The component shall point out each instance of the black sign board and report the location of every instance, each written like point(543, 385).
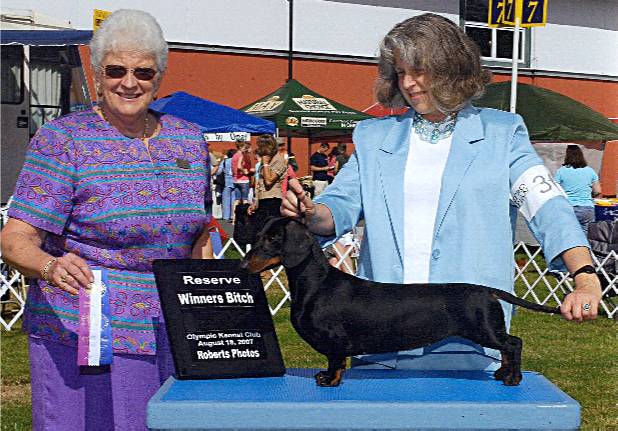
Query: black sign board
point(217, 319)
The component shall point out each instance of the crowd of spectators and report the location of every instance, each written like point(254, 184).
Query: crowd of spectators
point(238, 176)
point(255, 182)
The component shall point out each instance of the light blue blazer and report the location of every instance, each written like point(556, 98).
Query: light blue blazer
point(474, 229)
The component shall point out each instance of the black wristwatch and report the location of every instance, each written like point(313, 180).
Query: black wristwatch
point(588, 269)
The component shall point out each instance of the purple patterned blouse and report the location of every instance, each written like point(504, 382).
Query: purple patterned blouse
point(108, 199)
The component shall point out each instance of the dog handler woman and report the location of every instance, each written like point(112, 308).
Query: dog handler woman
point(439, 187)
point(113, 188)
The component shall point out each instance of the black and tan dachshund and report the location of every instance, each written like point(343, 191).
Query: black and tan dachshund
point(340, 315)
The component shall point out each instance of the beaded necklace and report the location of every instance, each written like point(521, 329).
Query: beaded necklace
point(433, 132)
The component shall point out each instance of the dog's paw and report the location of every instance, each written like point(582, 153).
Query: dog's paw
point(500, 373)
point(324, 378)
point(512, 379)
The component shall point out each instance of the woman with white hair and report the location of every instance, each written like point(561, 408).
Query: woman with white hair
point(112, 188)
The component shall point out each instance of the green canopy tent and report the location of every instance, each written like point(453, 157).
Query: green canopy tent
point(550, 116)
point(298, 111)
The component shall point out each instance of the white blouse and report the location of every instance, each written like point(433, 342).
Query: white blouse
point(422, 184)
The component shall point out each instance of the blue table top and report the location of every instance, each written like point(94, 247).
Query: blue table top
point(298, 386)
point(367, 399)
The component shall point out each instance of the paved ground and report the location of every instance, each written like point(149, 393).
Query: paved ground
point(227, 226)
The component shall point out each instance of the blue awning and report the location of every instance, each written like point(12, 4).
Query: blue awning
point(45, 37)
point(211, 117)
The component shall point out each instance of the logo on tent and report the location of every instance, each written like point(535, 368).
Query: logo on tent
point(313, 122)
point(268, 105)
point(310, 103)
point(291, 121)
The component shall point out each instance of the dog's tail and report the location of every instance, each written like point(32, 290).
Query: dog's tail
point(512, 299)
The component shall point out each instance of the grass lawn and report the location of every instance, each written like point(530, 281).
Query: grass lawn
point(579, 358)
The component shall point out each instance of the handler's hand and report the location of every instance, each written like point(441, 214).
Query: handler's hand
point(289, 205)
point(69, 273)
point(583, 303)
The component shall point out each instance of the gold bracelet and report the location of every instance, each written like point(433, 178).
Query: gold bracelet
point(47, 267)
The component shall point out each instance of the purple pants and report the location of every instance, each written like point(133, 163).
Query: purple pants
point(64, 399)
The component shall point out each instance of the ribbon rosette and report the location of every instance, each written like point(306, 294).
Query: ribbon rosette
point(94, 345)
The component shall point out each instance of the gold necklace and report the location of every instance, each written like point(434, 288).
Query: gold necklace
point(144, 136)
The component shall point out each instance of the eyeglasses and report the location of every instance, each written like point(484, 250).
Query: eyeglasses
point(115, 71)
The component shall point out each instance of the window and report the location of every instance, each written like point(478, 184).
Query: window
point(496, 44)
point(12, 74)
point(57, 83)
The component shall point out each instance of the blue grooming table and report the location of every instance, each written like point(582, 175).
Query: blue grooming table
point(366, 400)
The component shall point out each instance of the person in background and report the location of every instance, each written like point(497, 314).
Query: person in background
point(270, 173)
point(102, 188)
point(241, 172)
point(281, 148)
point(332, 163)
point(319, 168)
point(342, 157)
point(292, 162)
point(228, 191)
point(420, 182)
point(580, 183)
point(217, 185)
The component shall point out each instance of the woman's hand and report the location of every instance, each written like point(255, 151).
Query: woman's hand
point(295, 193)
point(252, 209)
point(69, 273)
point(317, 217)
point(583, 303)
point(22, 249)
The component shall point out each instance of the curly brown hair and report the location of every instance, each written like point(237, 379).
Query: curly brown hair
point(437, 46)
point(267, 145)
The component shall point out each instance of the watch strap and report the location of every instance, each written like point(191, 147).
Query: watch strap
point(588, 269)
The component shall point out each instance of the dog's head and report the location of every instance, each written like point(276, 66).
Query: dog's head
point(283, 241)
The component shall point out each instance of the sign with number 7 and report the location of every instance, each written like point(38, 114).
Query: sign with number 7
point(503, 13)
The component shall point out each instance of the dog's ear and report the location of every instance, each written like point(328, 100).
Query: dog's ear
point(297, 244)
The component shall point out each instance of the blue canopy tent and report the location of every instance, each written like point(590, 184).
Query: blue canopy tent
point(210, 116)
point(45, 37)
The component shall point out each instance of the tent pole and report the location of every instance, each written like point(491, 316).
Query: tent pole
point(290, 38)
point(309, 153)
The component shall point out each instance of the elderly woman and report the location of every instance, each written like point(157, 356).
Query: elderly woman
point(111, 188)
point(439, 186)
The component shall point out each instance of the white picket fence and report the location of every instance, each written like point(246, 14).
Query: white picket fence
point(540, 285)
